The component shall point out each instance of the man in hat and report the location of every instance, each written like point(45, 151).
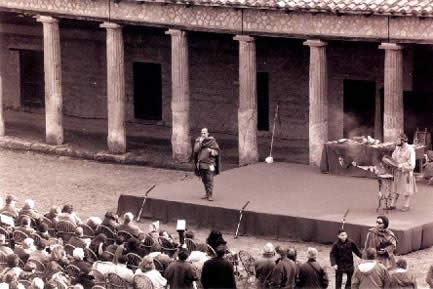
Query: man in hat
point(264, 266)
point(311, 273)
point(206, 157)
point(383, 241)
point(404, 180)
point(10, 207)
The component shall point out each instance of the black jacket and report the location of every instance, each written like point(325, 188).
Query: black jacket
point(341, 254)
point(218, 273)
point(312, 276)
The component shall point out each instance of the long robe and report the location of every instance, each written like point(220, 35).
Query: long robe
point(404, 180)
point(382, 239)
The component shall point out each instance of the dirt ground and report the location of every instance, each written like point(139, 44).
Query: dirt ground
point(93, 188)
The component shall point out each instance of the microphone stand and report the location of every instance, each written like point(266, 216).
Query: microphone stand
point(241, 212)
point(144, 202)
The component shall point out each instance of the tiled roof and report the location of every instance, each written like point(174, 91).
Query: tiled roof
point(421, 8)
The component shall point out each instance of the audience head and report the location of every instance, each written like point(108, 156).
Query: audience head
point(57, 253)
point(110, 216)
point(11, 200)
point(382, 222)
point(25, 221)
point(292, 254)
point(189, 234)
point(370, 253)
point(51, 285)
point(30, 267)
point(2, 239)
point(268, 250)
point(78, 286)
point(94, 222)
point(147, 264)
point(100, 238)
point(43, 228)
point(79, 231)
point(28, 243)
point(105, 256)
point(183, 254)
point(128, 217)
point(78, 254)
point(12, 260)
point(68, 209)
point(122, 259)
point(401, 263)
point(54, 211)
point(29, 204)
point(312, 253)
point(132, 244)
point(220, 250)
point(37, 283)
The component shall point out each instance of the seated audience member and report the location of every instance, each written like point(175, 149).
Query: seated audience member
point(93, 222)
point(41, 254)
point(180, 274)
point(162, 258)
point(24, 251)
point(264, 266)
point(400, 277)
point(147, 268)
point(370, 274)
point(128, 225)
point(25, 225)
point(218, 272)
point(122, 271)
point(429, 277)
point(28, 271)
point(29, 210)
point(57, 261)
point(132, 246)
point(197, 260)
point(14, 284)
point(111, 221)
point(69, 215)
point(10, 208)
point(37, 283)
point(78, 240)
point(311, 274)
point(104, 264)
point(215, 238)
point(43, 232)
point(53, 214)
point(4, 248)
point(13, 268)
point(85, 268)
point(98, 244)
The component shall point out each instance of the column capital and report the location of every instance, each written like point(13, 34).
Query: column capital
point(244, 38)
point(46, 19)
point(110, 25)
point(390, 46)
point(315, 43)
point(176, 32)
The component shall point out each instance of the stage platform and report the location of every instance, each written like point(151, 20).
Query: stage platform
point(287, 201)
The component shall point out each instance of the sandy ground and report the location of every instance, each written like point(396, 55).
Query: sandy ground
point(93, 188)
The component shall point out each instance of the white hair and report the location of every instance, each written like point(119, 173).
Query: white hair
point(37, 283)
point(128, 217)
point(312, 253)
point(78, 253)
point(28, 242)
point(29, 203)
point(94, 220)
point(78, 286)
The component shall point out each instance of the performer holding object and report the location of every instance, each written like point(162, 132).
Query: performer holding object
point(206, 156)
point(404, 180)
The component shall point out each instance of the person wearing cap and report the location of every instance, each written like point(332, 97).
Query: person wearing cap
point(207, 164)
point(311, 274)
point(284, 273)
point(218, 272)
point(264, 266)
point(341, 257)
point(10, 207)
point(27, 248)
point(383, 240)
point(404, 181)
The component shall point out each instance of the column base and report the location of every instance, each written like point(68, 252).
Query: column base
point(116, 145)
point(248, 151)
point(180, 139)
point(2, 128)
point(54, 138)
point(318, 136)
point(391, 134)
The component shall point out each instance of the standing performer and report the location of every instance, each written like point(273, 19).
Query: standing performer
point(206, 158)
point(404, 180)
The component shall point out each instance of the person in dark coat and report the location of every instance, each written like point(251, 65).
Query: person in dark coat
point(206, 157)
point(284, 274)
point(311, 274)
point(264, 266)
point(180, 274)
point(400, 278)
point(218, 273)
point(342, 258)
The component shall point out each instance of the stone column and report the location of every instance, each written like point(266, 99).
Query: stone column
point(116, 139)
point(393, 116)
point(53, 81)
point(2, 78)
point(247, 111)
point(318, 96)
point(180, 96)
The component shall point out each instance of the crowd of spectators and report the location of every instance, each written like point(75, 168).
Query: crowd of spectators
point(60, 250)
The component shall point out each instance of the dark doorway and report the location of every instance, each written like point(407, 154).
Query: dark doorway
point(262, 101)
point(147, 91)
point(359, 107)
point(32, 78)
